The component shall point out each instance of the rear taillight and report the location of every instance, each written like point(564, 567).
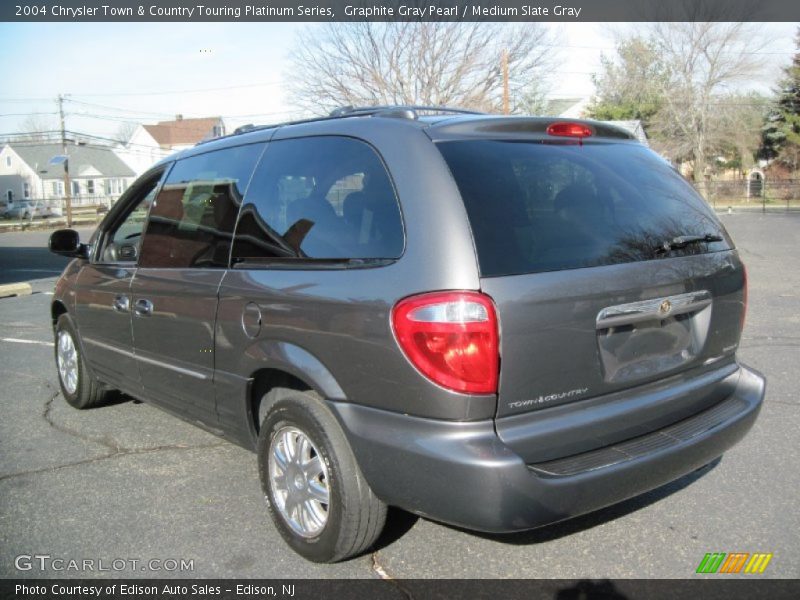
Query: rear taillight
point(451, 337)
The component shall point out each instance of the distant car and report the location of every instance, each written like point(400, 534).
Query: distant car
point(495, 322)
point(24, 209)
point(53, 211)
point(27, 209)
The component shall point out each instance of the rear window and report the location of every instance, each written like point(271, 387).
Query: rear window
point(537, 206)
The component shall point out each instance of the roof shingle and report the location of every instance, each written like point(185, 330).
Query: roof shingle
point(81, 158)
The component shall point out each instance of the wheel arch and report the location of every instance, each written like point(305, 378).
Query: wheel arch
point(270, 385)
point(57, 308)
point(289, 369)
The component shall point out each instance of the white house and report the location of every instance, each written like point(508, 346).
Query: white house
point(569, 108)
point(575, 108)
point(151, 143)
point(98, 175)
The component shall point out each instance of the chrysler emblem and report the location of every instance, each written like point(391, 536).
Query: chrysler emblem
point(665, 307)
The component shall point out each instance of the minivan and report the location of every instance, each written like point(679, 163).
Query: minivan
point(494, 322)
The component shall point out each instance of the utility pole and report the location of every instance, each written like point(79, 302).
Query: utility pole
point(67, 184)
point(505, 81)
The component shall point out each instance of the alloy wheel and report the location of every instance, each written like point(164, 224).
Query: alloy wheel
point(67, 362)
point(299, 482)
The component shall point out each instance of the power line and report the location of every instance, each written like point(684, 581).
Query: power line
point(134, 119)
point(28, 114)
point(29, 133)
point(269, 114)
point(156, 93)
point(117, 119)
point(80, 139)
point(47, 131)
point(172, 92)
point(106, 139)
point(138, 120)
point(120, 109)
point(13, 100)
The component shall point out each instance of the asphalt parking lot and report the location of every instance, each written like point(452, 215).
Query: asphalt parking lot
point(127, 481)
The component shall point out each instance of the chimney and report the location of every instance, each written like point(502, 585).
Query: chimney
point(179, 117)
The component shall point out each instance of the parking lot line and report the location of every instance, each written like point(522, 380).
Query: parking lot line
point(18, 341)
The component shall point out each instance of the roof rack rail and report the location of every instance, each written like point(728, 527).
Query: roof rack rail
point(244, 129)
point(405, 111)
point(399, 111)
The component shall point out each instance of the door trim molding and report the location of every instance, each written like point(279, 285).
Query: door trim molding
point(157, 363)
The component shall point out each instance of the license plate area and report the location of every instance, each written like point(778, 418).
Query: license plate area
point(640, 340)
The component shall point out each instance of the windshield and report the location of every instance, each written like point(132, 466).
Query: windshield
point(537, 206)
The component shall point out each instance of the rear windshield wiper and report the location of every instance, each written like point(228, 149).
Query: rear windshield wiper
point(682, 241)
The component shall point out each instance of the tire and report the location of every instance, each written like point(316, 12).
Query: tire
point(353, 517)
point(78, 387)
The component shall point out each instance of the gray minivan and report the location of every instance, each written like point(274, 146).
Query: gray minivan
point(495, 322)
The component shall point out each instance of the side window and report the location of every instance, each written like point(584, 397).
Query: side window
point(123, 241)
point(192, 221)
point(319, 198)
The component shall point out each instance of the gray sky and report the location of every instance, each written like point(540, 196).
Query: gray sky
point(146, 72)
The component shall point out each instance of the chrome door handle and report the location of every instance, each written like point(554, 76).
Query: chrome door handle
point(121, 304)
point(143, 307)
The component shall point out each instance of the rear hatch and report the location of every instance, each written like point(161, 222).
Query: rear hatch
point(609, 273)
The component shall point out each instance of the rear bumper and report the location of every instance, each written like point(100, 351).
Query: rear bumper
point(462, 473)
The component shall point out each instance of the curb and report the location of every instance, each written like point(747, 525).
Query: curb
point(781, 210)
point(15, 289)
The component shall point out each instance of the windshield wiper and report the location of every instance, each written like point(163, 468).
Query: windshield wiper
point(682, 241)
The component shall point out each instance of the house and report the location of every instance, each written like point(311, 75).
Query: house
point(151, 143)
point(634, 127)
point(569, 108)
point(13, 187)
point(575, 108)
point(97, 174)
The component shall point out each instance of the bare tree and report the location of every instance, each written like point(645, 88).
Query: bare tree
point(125, 132)
point(532, 100)
point(431, 63)
point(741, 119)
point(705, 59)
point(36, 128)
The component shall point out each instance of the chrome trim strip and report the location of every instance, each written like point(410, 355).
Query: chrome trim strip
point(157, 363)
point(655, 309)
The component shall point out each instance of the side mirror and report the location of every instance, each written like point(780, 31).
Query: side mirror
point(67, 242)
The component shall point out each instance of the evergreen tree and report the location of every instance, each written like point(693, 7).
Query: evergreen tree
point(631, 85)
point(781, 134)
